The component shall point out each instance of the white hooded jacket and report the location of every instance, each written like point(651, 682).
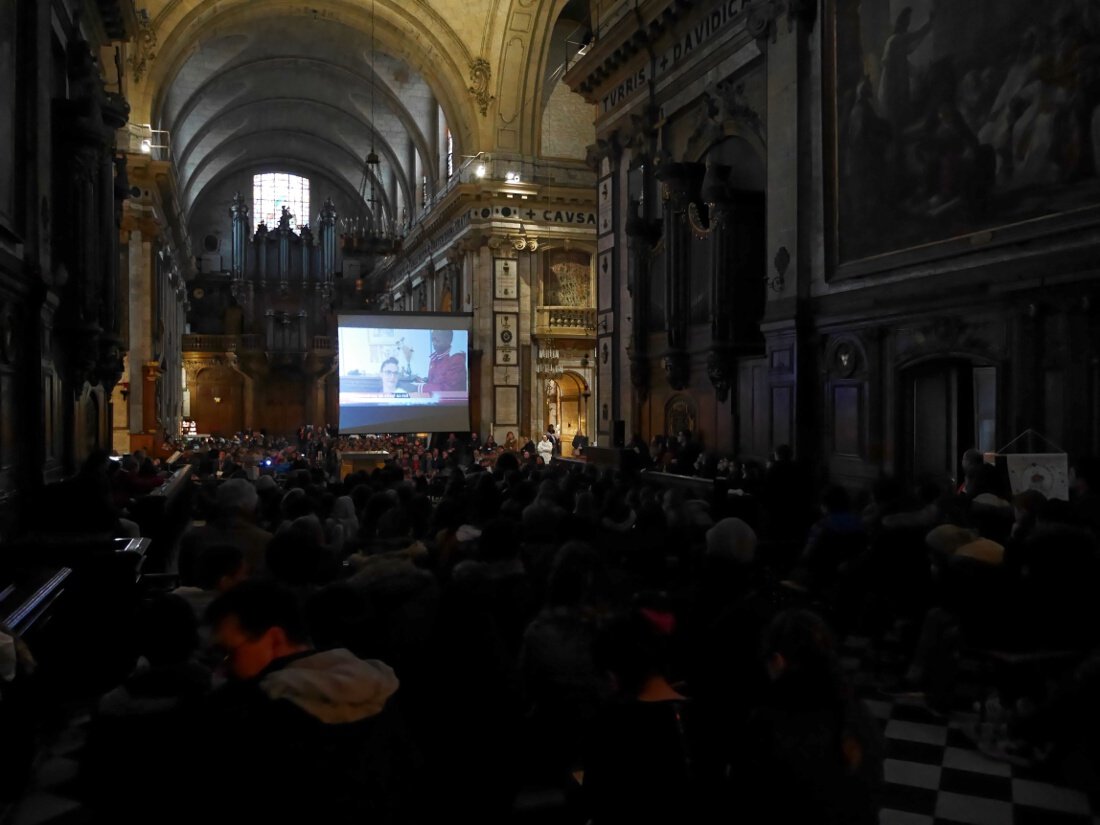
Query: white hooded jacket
point(333, 686)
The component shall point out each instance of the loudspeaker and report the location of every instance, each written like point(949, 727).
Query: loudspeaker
point(618, 433)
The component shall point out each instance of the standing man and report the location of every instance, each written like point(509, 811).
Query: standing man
point(554, 440)
point(580, 442)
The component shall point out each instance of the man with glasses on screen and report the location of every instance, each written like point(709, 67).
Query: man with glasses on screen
point(446, 370)
point(391, 369)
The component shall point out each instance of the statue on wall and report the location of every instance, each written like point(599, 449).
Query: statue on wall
point(719, 371)
point(677, 368)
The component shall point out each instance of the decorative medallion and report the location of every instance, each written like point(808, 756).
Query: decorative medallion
point(845, 359)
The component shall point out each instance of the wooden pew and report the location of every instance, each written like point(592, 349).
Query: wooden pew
point(26, 600)
point(86, 646)
point(162, 516)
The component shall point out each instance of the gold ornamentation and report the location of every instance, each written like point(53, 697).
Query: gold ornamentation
point(696, 222)
point(145, 47)
point(480, 75)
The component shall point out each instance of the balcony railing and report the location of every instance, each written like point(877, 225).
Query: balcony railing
point(239, 343)
point(566, 321)
point(211, 343)
point(503, 169)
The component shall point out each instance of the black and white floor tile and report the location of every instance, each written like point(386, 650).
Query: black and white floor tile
point(935, 775)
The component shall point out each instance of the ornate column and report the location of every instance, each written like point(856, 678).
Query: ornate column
point(282, 235)
point(305, 236)
point(640, 234)
point(716, 195)
point(327, 231)
point(238, 239)
point(681, 182)
point(259, 241)
point(303, 331)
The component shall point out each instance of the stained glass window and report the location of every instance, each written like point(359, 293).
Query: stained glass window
point(274, 190)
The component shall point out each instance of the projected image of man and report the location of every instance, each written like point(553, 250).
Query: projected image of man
point(446, 369)
point(391, 369)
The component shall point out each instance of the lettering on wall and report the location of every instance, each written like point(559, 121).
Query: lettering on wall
point(579, 217)
point(623, 90)
point(717, 21)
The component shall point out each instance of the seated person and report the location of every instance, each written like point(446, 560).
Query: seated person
point(315, 727)
point(651, 754)
point(137, 740)
point(218, 568)
point(811, 753)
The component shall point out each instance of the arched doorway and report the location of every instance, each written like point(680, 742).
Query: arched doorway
point(565, 405)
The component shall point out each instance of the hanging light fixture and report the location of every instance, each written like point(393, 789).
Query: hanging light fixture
point(548, 365)
point(369, 234)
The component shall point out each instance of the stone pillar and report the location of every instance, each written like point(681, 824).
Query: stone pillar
point(790, 235)
point(150, 373)
point(141, 323)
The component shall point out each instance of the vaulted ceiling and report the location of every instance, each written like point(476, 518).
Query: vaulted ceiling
point(243, 85)
point(303, 92)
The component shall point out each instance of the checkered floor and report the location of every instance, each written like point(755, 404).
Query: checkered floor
point(935, 774)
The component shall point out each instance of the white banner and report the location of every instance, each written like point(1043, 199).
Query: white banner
point(1046, 472)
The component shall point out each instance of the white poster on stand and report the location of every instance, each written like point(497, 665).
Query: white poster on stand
point(1046, 472)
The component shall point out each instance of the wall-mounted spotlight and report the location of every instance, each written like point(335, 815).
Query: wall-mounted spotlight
point(480, 170)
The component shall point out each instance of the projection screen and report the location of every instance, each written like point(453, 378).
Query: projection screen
point(404, 372)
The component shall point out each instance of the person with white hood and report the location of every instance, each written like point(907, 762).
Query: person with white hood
point(299, 735)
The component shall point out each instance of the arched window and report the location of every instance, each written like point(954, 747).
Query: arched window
point(450, 154)
point(274, 190)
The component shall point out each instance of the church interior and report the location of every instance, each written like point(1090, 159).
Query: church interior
point(779, 499)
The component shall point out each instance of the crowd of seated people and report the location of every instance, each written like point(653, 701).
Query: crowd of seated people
point(253, 454)
point(408, 648)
